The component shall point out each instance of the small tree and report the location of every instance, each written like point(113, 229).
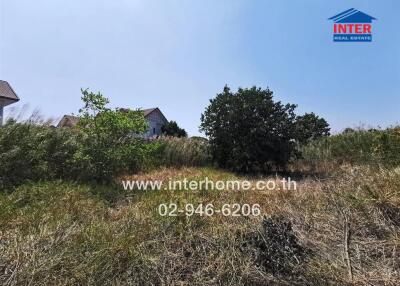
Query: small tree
point(248, 130)
point(172, 129)
point(311, 127)
point(110, 144)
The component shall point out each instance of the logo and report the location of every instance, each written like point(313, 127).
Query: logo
point(352, 26)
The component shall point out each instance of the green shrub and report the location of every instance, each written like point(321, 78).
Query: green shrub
point(31, 152)
point(110, 141)
point(387, 146)
point(104, 145)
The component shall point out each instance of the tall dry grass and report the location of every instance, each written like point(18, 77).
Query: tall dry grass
point(183, 152)
point(342, 230)
point(358, 147)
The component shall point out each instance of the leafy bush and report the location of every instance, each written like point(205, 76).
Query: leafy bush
point(110, 138)
point(104, 145)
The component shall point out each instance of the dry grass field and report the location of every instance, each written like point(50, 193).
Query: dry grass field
point(340, 229)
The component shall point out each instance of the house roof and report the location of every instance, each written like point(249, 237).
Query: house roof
point(148, 111)
point(7, 94)
point(68, 121)
point(352, 16)
point(151, 110)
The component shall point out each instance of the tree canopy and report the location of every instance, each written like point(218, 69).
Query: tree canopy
point(172, 129)
point(310, 127)
point(109, 142)
point(250, 132)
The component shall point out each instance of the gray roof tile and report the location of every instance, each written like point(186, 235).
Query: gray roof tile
point(7, 92)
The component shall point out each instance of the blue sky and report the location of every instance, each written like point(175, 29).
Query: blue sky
point(178, 54)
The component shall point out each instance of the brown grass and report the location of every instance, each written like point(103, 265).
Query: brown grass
point(61, 234)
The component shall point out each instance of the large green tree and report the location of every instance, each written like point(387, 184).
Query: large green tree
point(248, 130)
point(310, 127)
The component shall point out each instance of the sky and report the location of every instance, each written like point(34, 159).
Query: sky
point(176, 55)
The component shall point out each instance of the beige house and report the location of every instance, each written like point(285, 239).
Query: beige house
point(7, 97)
point(155, 118)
